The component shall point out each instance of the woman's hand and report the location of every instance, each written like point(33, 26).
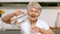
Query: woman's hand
point(19, 12)
point(35, 29)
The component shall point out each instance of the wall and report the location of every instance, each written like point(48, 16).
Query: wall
point(49, 14)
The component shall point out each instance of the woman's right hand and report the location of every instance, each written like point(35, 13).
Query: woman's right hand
point(19, 12)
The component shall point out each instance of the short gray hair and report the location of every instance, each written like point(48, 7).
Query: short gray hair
point(34, 5)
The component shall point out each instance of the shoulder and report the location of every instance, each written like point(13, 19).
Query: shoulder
point(40, 21)
point(42, 24)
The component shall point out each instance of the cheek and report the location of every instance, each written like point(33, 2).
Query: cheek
point(37, 14)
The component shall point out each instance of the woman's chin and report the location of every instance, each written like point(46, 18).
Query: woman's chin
point(32, 19)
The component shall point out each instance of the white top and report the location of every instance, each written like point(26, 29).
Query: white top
point(25, 26)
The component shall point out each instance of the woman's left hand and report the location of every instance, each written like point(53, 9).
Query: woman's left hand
point(36, 29)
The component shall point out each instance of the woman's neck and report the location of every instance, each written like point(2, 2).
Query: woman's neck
point(33, 22)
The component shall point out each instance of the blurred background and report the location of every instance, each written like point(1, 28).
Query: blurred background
point(50, 13)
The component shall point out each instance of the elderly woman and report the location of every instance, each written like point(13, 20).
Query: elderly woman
point(32, 24)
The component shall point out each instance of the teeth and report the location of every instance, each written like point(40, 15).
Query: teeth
point(33, 16)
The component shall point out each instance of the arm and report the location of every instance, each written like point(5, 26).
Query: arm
point(7, 18)
point(49, 31)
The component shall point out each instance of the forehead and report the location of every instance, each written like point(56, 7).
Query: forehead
point(33, 9)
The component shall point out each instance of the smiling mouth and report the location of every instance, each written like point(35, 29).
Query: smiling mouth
point(33, 16)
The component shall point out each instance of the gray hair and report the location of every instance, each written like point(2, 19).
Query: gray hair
point(34, 5)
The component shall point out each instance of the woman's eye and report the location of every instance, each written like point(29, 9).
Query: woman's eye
point(36, 11)
point(31, 10)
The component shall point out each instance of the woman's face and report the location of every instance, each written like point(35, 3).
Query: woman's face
point(33, 14)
